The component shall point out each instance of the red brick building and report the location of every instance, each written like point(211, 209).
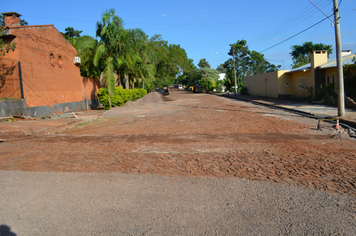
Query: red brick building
point(51, 81)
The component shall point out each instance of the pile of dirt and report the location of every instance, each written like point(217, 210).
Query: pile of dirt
point(153, 97)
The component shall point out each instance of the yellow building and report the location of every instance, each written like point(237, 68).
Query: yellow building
point(300, 82)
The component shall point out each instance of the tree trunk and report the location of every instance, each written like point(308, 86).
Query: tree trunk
point(118, 81)
point(126, 81)
point(133, 82)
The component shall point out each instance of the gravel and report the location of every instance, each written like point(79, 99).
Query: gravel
point(35, 203)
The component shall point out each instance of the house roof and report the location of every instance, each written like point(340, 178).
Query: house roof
point(347, 59)
point(301, 68)
point(332, 62)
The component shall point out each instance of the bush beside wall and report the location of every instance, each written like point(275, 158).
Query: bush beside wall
point(121, 96)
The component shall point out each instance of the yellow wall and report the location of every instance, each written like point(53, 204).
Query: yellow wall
point(330, 72)
point(318, 58)
point(284, 78)
point(263, 84)
point(309, 75)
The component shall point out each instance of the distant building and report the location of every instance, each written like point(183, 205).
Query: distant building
point(320, 72)
point(51, 81)
point(222, 76)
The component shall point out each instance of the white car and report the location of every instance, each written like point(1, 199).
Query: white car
point(180, 86)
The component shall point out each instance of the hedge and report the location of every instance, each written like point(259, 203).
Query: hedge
point(121, 96)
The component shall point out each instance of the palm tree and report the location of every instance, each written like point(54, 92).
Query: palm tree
point(107, 51)
point(86, 46)
point(143, 68)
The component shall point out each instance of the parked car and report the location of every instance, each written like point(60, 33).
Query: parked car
point(164, 91)
point(180, 87)
point(198, 88)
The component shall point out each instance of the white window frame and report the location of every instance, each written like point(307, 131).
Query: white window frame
point(301, 81)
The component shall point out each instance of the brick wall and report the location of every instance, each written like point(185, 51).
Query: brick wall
point(9, 79)
point(49, 74)
point(90, 87)
point(50, 78)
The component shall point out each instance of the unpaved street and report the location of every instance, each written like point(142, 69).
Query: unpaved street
point(282, 162)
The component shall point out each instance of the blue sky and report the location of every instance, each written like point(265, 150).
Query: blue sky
point(203, 28)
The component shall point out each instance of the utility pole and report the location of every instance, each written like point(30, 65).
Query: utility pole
point(233, 56)
point(340, 72)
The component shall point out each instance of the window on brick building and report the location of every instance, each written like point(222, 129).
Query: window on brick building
point(51, 57)
point(60, 63)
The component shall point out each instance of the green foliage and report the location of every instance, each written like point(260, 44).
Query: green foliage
point(135, 59)
point(207, 84)
point(72, 35)
point(350, 79)
point(120, 97)
point(70, 32)
point(211, 74)
point(218, 85)
point(6, 47)
point(244, 91)
point(248, 62)
point(169, 61)
point(105, 54)
point(199, 74)
point(86, 47)
point(203, 63)
point(301, 53)
point(221, 68)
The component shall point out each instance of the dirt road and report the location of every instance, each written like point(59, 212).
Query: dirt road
point(195, 135)
point(200, 164)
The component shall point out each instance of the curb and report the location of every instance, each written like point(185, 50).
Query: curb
point(350, 123)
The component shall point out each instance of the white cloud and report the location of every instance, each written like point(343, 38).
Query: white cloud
point(163, 15)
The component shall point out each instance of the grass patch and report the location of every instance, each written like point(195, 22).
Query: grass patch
point(87, 122)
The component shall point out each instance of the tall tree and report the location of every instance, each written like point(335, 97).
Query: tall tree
point(203, 63)
point(72, 35)
point(135, 63)
point(221, 68)
point(70, 32)
point(170, 60)
point(107, 51)
point(249, 62)
point(86, 47)
point(301, 53)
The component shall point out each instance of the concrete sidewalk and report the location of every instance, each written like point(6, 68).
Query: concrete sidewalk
point(318, 110)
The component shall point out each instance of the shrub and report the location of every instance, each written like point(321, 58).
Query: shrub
point(103, 97)
point(244, 91)
point(121, 96)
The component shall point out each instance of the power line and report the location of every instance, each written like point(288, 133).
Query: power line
point(144, 23)
point(297, 33)
point(59, 19)
point(297, 18)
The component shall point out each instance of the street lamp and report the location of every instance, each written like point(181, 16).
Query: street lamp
point(222, 55)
